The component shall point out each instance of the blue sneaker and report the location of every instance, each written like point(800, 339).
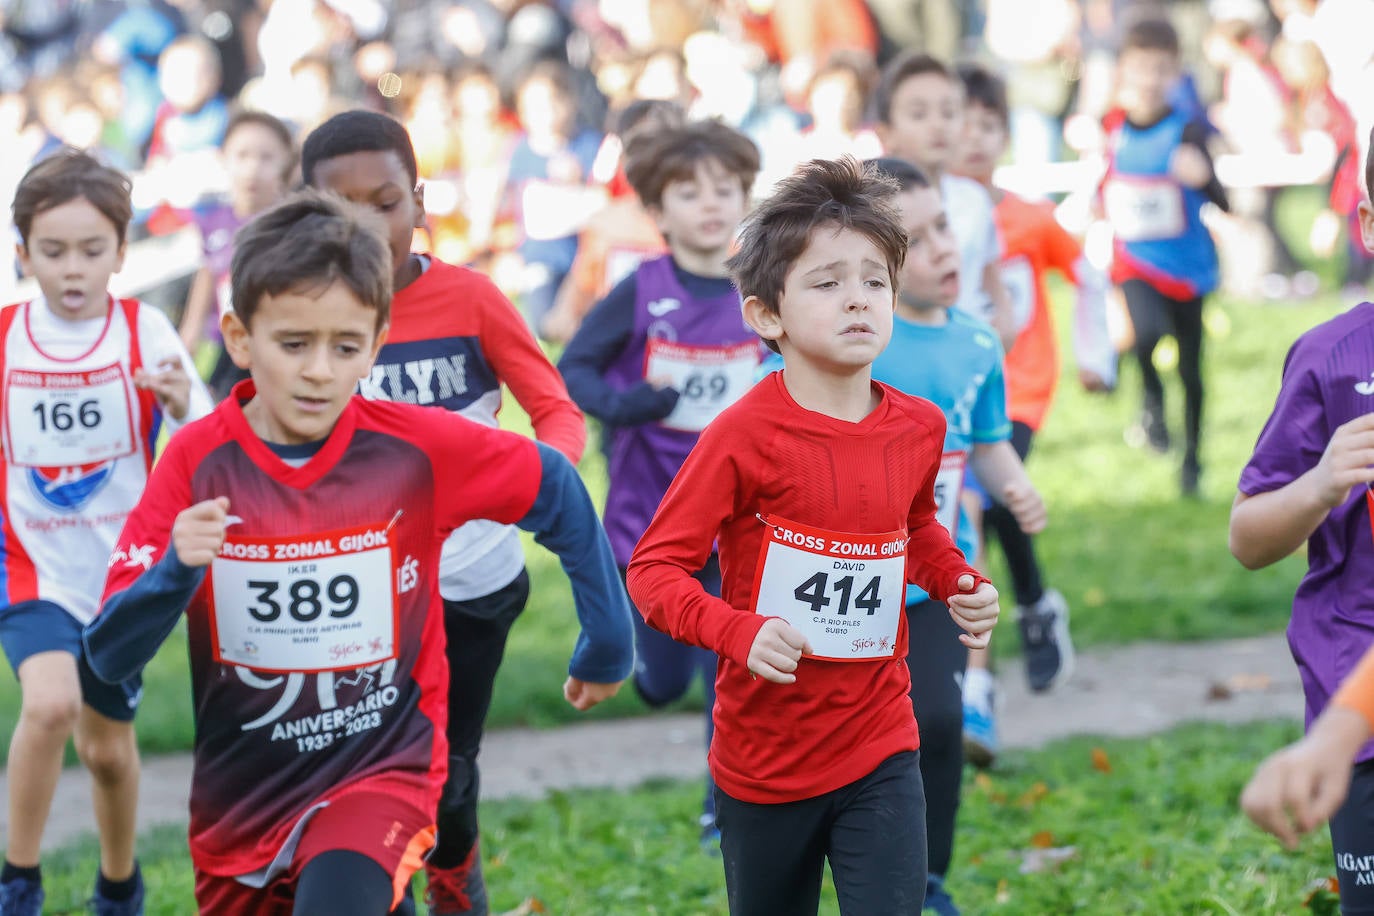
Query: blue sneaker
point(104, 906)
point(21, 898)
point(980, 733)
point(710, 835)
point(937, 900)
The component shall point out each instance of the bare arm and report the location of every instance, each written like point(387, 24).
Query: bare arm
point(1267, 527)
point(1000, 471)
point(198, 303)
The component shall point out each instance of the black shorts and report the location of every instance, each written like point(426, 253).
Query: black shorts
point(30, 627)
point(1352, 842)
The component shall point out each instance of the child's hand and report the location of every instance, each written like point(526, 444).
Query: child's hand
point(1299, 787)
point(776, 650)
point(1347, 461)
point(975, 611)
point(169, 384)
point(1093, 382)
point(198, 532)
point(1188, 166)
point(1025, 505)
point(583, 695)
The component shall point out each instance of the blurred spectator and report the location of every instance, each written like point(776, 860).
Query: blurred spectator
point(800, 35)
point(837, 103)
point(37, 39)
point(133, 41)
point(1037, 40)
point(193, 115)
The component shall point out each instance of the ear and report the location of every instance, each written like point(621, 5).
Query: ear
point(1367, 224)
point(765, 322)
point(235, 339)
point(419, 197)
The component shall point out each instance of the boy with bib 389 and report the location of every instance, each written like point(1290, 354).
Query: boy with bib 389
point(819, 488)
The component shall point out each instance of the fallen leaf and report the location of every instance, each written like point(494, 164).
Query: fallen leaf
point(530, 906)
point(1043, 840)
point(1033, 795)
point(1003, 892)
point(1101, 762)
point(1047, 859)
point(983, 782)
point(498, 860)
point(1218, 691)
point(975, 860)
point(1249, 682)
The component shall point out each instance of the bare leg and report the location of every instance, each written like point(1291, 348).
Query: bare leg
point(109, 752)
point(50, 705)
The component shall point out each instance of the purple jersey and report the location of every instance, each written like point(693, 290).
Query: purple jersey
point(711, 357)
point(218, 224)
point(1328, 380)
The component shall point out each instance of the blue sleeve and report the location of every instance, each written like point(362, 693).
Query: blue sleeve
point(133, 624)
point(564, 520)
point(599, 341)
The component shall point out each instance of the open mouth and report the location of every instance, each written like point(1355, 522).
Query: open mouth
point(73, 299)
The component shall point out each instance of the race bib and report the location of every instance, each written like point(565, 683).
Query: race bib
point(63, 419)
point(1019, 280)
point(846, 592)
point(320, 602)
point(949, 487)
point(709, 379)
point(1141, 209)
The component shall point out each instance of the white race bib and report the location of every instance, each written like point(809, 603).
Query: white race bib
point(1018, 277)
point(1141, 209)
point(846, 592)
point(318, 602)
point(65, 419)
point(949, 488)
point(709, 379)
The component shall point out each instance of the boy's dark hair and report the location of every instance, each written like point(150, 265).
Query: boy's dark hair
point(822, 192)
point(645, 111)
point(655, 158)
point(1151, 34)
point(66, 175)
point(986, 89)
point(358, 131)
point(901, 68)
point(271, 124)
point(307, 242)
point(904, 173)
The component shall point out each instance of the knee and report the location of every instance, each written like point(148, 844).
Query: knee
point(108, 757)
point(51, 714)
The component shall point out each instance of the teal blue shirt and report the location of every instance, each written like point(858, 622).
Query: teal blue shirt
point(958, 367)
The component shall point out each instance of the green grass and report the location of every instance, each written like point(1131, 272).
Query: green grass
point(1159, 833)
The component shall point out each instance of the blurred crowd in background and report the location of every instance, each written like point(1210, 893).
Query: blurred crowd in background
point(513, 105)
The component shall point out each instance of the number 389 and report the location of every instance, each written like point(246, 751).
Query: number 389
point(303, 598)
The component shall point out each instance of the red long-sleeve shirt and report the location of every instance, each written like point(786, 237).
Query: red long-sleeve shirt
point(768, 456)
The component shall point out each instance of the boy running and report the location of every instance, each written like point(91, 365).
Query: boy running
point(952, 359)
point(662, 355)
point(88, 382)
point(819, 488)
point(454, 340)
point(317, 645)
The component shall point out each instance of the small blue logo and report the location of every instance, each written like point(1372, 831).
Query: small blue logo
point(68, 489)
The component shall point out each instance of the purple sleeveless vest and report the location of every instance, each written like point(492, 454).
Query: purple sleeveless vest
point(644, 459)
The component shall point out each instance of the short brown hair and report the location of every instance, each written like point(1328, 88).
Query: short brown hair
point(309, 241)
point(1151, 34)
point(66, 175)
point(901, 68)
point(655, 158)
point(273, 125)
point(822, 192)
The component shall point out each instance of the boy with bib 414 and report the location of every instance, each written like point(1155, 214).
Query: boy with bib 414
point(88, 382)
point(662, 355)
point(819, 488)
point(299, 529)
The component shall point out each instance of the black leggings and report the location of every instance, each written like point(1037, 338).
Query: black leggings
point(1017, 546)
point(1352, 842)
point(476, 631)
point(1154, 315)
point(870, 830)
point(345, 883)
point(937, 660)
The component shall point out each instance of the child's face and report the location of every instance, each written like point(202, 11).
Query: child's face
point(701, 213)
point(835, 313)
point(187, 78)
point(257, 164)
point(835, 101)
point(544, 109)
point(982, 145)
point(925, 121)
point(477, 99)
point(72, 251)
point(377, 179)
point(930, 275)
point(1144, 78)
point(306, 352)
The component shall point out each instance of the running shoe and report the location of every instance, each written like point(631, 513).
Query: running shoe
point(457, 891)
point(937, 898)
point(1190, 476)
point(1045, 641)
point(980, 731)
point(710, 835)
point(21, 898)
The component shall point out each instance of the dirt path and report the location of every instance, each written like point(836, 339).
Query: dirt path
point(1136, 690)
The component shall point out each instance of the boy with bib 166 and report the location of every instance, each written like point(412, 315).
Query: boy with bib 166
point(819, 488)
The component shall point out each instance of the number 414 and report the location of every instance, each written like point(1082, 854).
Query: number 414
point(812, 592)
